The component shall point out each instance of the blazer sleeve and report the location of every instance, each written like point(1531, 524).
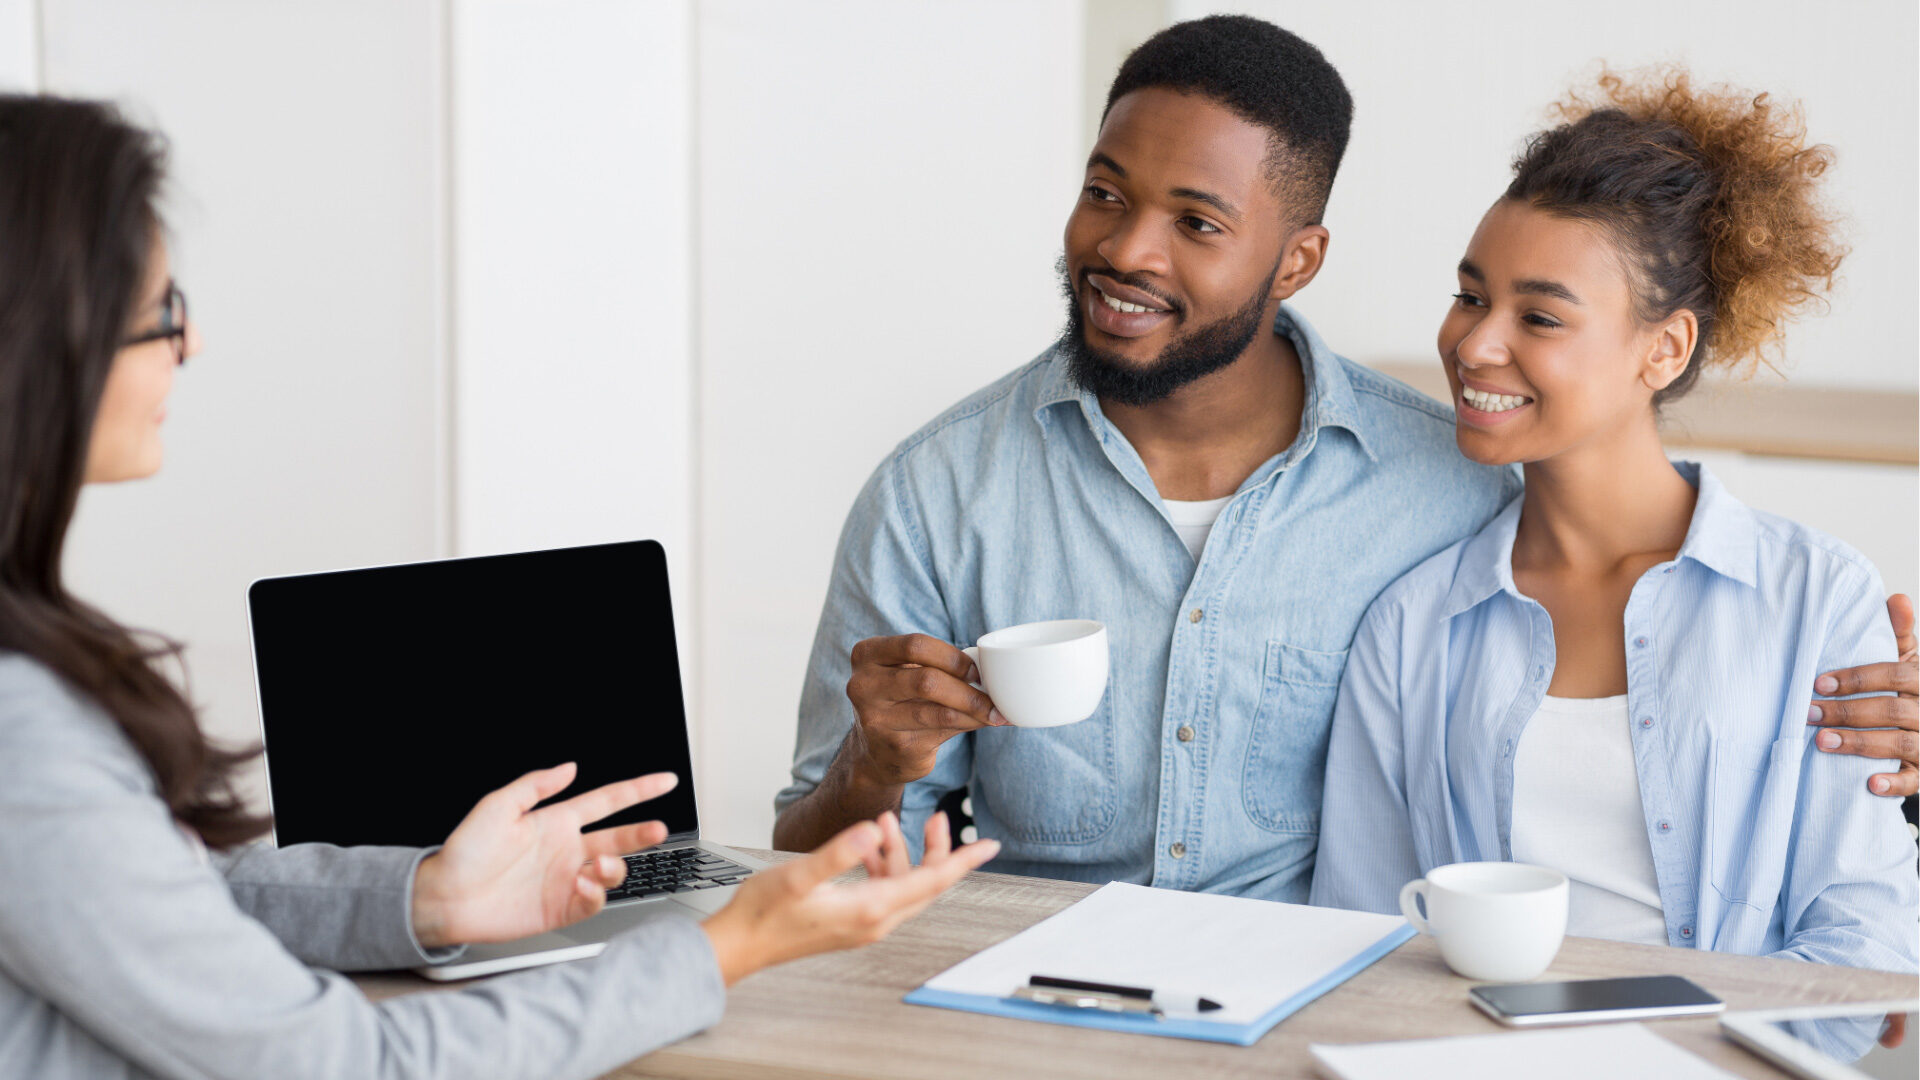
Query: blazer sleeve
point(345, 908)
point(1367, 847)
point(110, 917)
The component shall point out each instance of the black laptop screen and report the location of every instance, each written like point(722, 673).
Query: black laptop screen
point(393, 698)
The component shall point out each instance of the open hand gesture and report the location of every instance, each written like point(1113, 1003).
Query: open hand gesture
point(509, 870)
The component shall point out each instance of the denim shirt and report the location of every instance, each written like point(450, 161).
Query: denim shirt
point(1760, 845)
point(1201, 768)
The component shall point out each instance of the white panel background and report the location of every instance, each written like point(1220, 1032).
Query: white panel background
point(1444, 93)
point(883, 189)
point(572, 285)
point(478, 275)
point(572, 174)
point(19, 45)
point(307, 219)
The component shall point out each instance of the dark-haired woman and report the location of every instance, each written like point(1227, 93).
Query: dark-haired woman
point(1613, 677)
point(125, 949)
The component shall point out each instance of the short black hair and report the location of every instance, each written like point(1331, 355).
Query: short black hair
point(1266, 76)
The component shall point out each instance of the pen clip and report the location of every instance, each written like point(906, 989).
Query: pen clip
point(1081, 994)
point(1088, 999)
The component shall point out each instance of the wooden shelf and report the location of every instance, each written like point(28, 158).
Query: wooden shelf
point(1761, 417)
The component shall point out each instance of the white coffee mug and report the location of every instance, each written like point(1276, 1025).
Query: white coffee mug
point(1044, 674)
point(1498, 921)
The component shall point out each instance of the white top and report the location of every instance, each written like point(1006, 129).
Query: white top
point(1576, 808)
point(1194, 520)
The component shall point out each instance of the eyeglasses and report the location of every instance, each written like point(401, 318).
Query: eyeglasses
point(173, 324)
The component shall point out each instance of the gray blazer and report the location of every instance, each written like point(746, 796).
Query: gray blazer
point(124, 954)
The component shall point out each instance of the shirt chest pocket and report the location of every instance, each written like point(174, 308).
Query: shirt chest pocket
point(1049, 785)
point(1750, 817)
point(1286, 755)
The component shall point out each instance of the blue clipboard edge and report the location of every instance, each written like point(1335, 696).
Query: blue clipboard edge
point(1204, 1030)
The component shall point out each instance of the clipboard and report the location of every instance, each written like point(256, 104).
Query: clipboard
point(1264, 960)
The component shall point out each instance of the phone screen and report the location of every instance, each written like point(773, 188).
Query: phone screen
point(1594, 995)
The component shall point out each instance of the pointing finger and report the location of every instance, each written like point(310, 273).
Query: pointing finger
point(589, 896)
point(625, 839)
point(922, 885)
point(895, 845)
point(528, 791)
point(613, 798)
point(938, 839)
point(609, 869)
point(833, 858)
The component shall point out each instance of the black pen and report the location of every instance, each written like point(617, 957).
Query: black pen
point(1164, 1000)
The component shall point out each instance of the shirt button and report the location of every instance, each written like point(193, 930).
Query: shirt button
point(1178, 850)
point(1639, 643)
point(1646, 721)
point(1540, 672)
point(1185, 734)
point(1666, 826)
point(1686, 931)
point(1668, 570)
point(1197, 615)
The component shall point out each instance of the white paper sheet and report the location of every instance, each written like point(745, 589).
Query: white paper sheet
point(1600, 1052)
point(1248, 955)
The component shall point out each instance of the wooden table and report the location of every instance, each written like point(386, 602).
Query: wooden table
point(840, 1015)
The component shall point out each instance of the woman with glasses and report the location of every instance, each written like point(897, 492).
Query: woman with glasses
point(126, 947)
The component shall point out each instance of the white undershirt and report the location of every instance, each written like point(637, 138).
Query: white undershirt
point(1194, 520)
point(1576, 808)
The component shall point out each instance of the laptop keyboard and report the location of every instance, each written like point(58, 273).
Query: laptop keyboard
point(652, 873)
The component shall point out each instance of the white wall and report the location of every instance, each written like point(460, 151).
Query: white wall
point(1444, 93)
point(19, 45)
point(572, 298)
point(883, 189)
point(306, 156)
point(1443, 96)
point(478, 275)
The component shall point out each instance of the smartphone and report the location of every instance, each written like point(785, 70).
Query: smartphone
point(1593, 1001)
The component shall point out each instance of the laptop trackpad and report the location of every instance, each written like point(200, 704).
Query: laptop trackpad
point(627, 916)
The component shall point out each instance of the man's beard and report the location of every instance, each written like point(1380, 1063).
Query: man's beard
point(1194, 355)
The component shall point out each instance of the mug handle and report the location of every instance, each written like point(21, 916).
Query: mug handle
point(973, 654)
point(1416, 887)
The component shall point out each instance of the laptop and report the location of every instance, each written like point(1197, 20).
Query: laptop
point(392, 698)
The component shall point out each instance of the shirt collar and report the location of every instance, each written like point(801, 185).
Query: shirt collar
point(1486, 563)
point(1722, 535)
point(1330, 396)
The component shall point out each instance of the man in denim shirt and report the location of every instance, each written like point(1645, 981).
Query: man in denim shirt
point(1081, 486)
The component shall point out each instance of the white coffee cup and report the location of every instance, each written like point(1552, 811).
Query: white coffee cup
point(1044, 674)
point(1499, 921)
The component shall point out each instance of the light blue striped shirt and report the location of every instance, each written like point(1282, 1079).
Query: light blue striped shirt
point(1201, 768)
point(1761, 845)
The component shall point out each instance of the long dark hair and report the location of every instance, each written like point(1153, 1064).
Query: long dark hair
point(78, 225)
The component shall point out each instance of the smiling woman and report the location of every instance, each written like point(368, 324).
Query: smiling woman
point(1614, 677)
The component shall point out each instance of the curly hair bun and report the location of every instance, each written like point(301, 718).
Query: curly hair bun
point(1713, 193)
